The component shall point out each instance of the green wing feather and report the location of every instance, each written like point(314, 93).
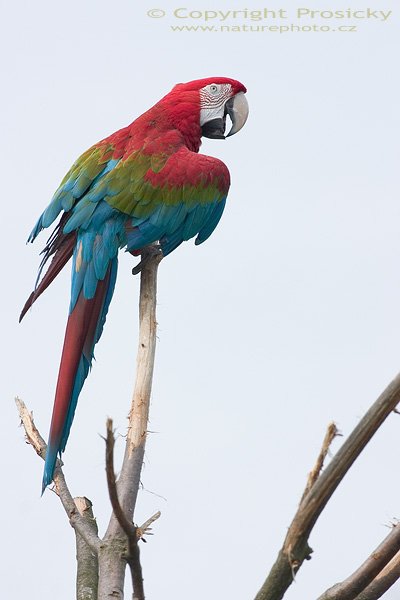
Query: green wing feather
point(166, 197)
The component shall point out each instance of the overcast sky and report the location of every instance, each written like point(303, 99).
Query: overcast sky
point(287, 318)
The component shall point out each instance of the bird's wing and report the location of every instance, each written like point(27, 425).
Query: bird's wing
point(90, 167)
point(167, 198)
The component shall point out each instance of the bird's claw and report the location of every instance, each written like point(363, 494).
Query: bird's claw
point(148, 254)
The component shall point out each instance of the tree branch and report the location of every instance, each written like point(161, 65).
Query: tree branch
point(129, 479)
point(113, 551)
point(133, 558)
point(295, 548)
point(382, 582)
point(87, 575)
point(76, 520)
point(350, 588)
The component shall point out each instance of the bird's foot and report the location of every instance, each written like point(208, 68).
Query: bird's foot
point(149, 253)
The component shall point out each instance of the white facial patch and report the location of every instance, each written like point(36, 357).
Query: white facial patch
point(212, 101)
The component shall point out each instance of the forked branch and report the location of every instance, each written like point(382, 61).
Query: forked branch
point(295, 548)
point(123, 493)
point(369, 572)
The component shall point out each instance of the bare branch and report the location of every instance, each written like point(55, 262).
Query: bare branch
point(32, 434)
point(126, 525)
point(129, 479)
point(37, 442)
point(113, 550)
point(350, 588)
point(87, 575)
point(133, 557)
point(295, 548)
point(382, 582)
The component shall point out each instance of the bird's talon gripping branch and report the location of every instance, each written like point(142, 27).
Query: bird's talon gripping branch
point(150, 253)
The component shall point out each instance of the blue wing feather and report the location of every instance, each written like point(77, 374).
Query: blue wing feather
point(211, 222)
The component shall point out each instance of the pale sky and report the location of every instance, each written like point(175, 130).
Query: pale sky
point(288, 317)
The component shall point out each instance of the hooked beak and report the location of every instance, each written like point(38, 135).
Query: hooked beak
point(238, 110)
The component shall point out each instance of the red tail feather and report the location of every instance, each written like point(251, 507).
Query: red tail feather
point(62, 255)
point(79, 341)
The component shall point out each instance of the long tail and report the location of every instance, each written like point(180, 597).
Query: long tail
point(84, 328)
point(94, 271)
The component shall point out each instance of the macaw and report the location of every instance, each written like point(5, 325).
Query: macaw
point(142, 185)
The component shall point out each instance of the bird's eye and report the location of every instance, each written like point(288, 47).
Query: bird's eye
point(213, 88)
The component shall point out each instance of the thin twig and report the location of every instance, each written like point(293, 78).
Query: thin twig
point(330, 435)
point(295, 548)
point(126, 525)
point(32, 434)
point(39, 445)
point(145, 529)
point(352, 586)
point(133, 557)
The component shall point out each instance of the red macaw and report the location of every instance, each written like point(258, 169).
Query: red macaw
point(146, 183)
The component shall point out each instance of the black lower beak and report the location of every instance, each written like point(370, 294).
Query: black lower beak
point(214, 129)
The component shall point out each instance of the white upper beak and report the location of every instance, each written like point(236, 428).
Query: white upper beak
point(238, 110)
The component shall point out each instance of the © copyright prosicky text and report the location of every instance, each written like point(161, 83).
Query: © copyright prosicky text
point(270, 14)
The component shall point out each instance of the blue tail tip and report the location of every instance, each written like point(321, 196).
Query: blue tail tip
point(47, 480)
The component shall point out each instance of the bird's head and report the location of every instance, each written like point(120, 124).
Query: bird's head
point(200, 108)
